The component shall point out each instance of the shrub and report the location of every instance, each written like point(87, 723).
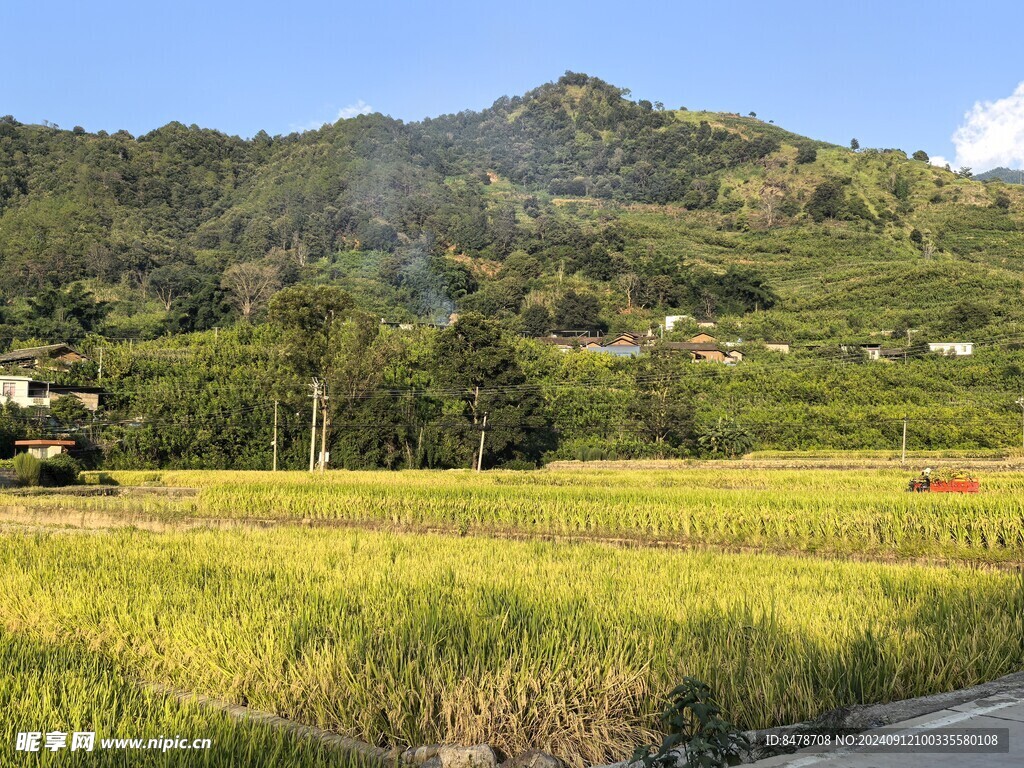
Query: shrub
point(61, 470)
point(27, 468)
point(805, 155)
point(695, 727)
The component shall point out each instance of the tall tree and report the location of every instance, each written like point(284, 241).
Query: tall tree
point(475, 360)
point(251, 285)
point(307, 315)
point(172, 281)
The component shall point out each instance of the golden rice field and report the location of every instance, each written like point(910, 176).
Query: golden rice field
point(417, 638)
point(866, 512)
point(381, 619)
point(50, 688)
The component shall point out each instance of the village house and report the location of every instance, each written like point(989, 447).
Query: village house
point(781, 347)
point(699, 351)
point(31, 393)
point(406, 326)
point(952, 348)
point(50, 356)
point(703, 338)
point(570, 340)
point(24, 391)
point(44, 449)
point(704, 348)
point(623, 345)
point(887, 354)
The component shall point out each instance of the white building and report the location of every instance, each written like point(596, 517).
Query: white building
point(24, 391)
point(44, 449)
point(952, 348)
point(30, 393)
point(672, 320)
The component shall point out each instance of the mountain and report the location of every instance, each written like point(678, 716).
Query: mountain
point(568, 205)
point(1008, 175)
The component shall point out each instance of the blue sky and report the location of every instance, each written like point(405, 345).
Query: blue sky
point(892, 74)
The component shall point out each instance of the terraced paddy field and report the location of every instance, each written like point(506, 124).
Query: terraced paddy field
point(862, 513)
point(413, 636)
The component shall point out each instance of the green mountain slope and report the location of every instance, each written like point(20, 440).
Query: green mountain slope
point(1009, 175)
point(569, 205)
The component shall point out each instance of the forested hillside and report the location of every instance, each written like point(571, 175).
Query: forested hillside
point(1008, 175)
point(572, 187)
point(568, 207)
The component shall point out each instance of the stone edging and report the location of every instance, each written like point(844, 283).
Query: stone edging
point(238, 712)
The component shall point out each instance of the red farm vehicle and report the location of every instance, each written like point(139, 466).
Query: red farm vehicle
point(944, 482)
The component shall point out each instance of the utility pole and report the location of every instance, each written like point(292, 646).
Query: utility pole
point(1020, 402)
point(323, 428)
point(480, 456)
point(274, 469)
point(903, 459)
point(312, 438)
point(907, 349)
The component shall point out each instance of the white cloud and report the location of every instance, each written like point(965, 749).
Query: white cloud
point(359, 108)
point(992, 134)
point(352, 110)
point(939, 161)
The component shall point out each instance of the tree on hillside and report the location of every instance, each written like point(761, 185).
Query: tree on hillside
point(535, 320)
point(307, 315)
point(965, 172)
point(921, 155)
point(743, 290)
point(854, 145)
point(773, 195)
point(708, 304)
point(69, 412)
point(251, 284)
point(204, 306)
point(170, 282)
point(631, 284)
point(299, 250)
point(806, 154)
point(64, 315)
point(828, 201)
point(967, 316)
point(356, 365)
point(473, 357)
point(578, 311)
